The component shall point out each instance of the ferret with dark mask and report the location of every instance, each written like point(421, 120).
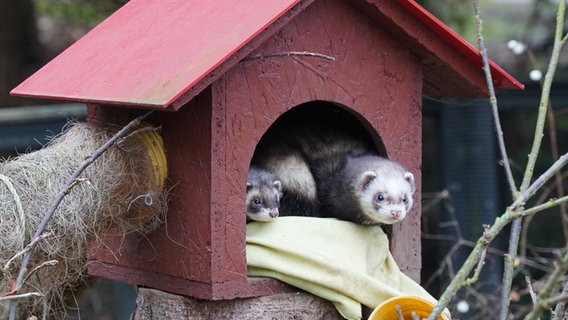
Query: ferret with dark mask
point(263, 195)
point(368, 189)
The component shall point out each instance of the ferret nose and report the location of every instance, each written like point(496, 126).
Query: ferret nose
point(395, 213)
point(273, 213)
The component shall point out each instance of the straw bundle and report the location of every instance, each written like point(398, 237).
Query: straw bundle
point(119, 190)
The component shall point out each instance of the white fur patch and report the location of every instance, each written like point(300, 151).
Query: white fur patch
point(393, 188)
point(262, 215)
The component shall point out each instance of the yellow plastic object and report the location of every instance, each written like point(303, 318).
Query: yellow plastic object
point(155, 148)
point(408, 305)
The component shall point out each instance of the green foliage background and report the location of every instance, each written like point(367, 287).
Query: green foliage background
point(85, 12)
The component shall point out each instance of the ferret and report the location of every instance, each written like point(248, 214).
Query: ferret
point(367, 189)
point(263, 195)
point(329, 167)
point(291, 157)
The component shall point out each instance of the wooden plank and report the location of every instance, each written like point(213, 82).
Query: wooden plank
point(252, 287)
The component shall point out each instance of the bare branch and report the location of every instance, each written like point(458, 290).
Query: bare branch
point(546, 87)
point(288, 54)
point(561, 306)
point(477, 271)
point(547, 291)
point(440, 196)
point(22, 296)
point(508, 273)
point(541, 180)
point(516, 227)
point(493, 100)
point(534, 297)
point(44, 264)
point(549, 204)
point(26, 249)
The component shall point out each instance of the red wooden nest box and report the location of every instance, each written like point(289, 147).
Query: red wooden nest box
point(197, 62)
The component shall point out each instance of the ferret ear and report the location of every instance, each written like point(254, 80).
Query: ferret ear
point(366, 178)
point(249, 186)
point(410, 178)
point(278, 185)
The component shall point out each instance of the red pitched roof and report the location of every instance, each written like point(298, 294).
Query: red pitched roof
point(153, 53)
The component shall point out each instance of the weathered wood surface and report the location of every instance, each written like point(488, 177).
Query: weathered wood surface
point(156, 305)
point(374, 77)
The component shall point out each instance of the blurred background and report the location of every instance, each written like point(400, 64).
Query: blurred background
point(463, 183)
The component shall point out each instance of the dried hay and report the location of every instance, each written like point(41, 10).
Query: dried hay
point(118, 190)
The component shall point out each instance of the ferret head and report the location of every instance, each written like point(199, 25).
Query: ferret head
point(387, 198)
point(263, 200)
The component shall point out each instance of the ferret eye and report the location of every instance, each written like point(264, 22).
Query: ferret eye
point(404, 199)
point(257, 201)
point(380, 197)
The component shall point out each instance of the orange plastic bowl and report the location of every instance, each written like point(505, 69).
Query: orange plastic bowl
point(408, 304)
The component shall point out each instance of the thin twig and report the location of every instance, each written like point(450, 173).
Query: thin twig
point(516, 229)
point(544, 195)
point(493, 100)
point(459, 242)
point(72, 185)
point(22, 296)
point(440, 196)
point(552, 133)
point(62, 193)
point(508, 272)
point(534, 297)
point(548, 303)
point(540, 181)
point(546, 298)
point(288, 54)
point(477, 271)
point(138, 131)
point(525, 189)
point(544, 98)
point(26, 249)
point(561, 306)
point(516, 226)
point(549, 204)
point(44, 264)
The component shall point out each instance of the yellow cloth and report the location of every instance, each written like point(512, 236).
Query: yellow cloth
point(345, 263)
